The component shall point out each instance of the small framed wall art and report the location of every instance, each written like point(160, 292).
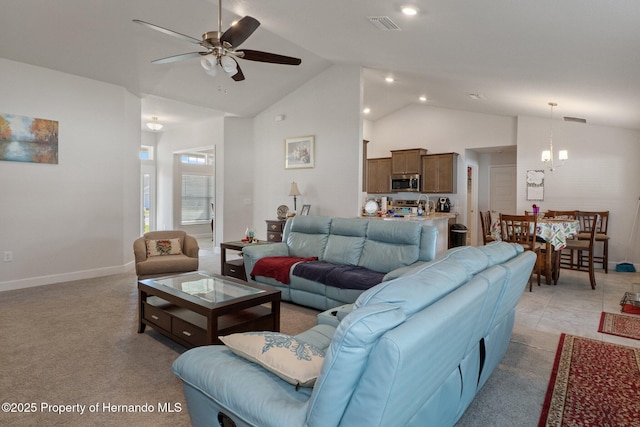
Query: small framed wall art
point(299, 152)
point(305, 209)
point(535, 185)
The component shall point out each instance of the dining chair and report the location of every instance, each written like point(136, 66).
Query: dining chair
point(522, 229)
point(570, 214)
point(581, 250)
point(562, 214)
point(601, 237)
point(485, 220)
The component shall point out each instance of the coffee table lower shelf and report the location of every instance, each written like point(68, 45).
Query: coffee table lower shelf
point(190, 329)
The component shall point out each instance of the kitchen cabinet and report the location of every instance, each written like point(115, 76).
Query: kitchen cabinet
point(407, 161)
point(439, 173)
point(379, 175)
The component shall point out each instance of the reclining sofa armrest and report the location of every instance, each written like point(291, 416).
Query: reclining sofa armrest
point(252, 254)
point(190, 247)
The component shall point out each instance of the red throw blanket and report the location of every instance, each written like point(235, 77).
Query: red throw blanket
point(277, 267)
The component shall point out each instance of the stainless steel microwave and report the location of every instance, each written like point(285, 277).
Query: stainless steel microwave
point(400, 183)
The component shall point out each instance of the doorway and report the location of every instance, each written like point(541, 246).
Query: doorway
point(502, 189)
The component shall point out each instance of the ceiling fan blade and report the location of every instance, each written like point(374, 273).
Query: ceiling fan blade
point(238, 33)
point(168, 32)
point(239, 76)
point(180, 57)
point(256, 55)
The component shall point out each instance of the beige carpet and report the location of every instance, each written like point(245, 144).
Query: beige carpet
point(74, 347)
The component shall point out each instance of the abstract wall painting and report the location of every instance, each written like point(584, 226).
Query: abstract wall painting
point(27, 139)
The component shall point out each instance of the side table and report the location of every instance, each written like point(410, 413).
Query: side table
point(235, 267)
point(274, 229)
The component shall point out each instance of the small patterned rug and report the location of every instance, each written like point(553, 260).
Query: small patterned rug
point(592, 383)
point(620, 325)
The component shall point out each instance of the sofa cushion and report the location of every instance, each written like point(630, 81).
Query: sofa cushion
point(346, 241)
point(164, 247)
point(306, 236)
point(297, 362)
point(390, 245)
point(346, 359)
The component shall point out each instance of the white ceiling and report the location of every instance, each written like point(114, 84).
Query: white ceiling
point(517, 54)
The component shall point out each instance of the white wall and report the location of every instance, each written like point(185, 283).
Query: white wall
point(439, 130)
point(78, 218)
point(328, 107)
point(601, 174)
point(238, 202)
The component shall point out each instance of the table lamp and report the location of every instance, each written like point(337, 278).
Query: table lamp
point(295, 193)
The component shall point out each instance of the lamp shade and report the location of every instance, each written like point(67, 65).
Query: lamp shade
point(294, 191)
point(546, 155)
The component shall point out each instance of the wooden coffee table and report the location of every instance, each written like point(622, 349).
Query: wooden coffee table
point(193, 309)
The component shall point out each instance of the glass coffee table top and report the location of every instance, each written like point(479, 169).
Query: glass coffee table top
point(206, 287)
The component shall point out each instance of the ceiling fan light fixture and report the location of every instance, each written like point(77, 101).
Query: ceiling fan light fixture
point(229, 65)
point(209, 62)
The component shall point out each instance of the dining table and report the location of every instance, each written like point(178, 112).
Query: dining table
point(555, 232)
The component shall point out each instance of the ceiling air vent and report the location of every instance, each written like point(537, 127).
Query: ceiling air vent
point(575, 119)
point(384, 23)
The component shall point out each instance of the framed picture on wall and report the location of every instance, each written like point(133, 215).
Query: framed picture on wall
point(299, 152)
point(535, 185)
point(305, 209)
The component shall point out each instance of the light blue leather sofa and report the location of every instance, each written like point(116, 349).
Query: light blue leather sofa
point(389, 247)
point(414, 351)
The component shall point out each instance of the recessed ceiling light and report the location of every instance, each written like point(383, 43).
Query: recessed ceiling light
point(389, 79)
point(409, 10)
point(367, 110)
point(423, 98)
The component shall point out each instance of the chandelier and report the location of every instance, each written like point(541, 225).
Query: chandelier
point(547, 155)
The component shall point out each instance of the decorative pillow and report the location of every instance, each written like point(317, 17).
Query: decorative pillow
point(296, 362)
point(164, 247)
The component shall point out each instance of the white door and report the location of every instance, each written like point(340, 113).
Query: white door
point(502, 189)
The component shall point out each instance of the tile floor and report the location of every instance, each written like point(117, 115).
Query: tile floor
point(572, 307)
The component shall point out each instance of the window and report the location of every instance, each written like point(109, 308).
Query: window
point(146, 152)
point(197, 197)
point(197, 158)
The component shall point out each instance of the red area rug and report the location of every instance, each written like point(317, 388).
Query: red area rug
point(593, 383)
point(622, 326)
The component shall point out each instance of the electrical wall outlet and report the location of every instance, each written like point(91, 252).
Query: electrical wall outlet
point(8, 256)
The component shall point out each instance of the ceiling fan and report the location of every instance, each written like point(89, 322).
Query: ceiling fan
point(221, 47)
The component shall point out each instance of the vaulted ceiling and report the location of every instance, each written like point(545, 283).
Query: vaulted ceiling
point(515, 55)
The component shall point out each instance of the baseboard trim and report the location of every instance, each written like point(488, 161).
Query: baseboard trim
point(30, 282)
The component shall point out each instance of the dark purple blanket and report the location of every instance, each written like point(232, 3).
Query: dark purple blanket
point(338, 276)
